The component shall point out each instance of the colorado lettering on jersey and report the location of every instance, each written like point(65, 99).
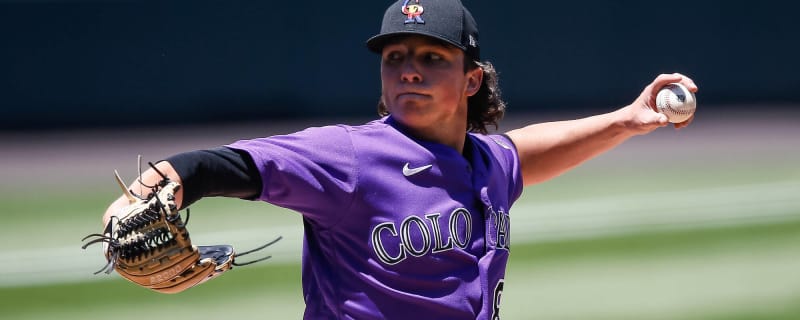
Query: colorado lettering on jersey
point(502, 230)
point(429, 233)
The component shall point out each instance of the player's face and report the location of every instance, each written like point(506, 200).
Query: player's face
point(425, 85)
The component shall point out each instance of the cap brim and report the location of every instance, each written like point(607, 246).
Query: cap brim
point(376, 43)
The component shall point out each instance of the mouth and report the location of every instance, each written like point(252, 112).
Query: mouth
point(411, 94)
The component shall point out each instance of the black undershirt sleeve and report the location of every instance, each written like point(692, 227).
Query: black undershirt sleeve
point(216, 172)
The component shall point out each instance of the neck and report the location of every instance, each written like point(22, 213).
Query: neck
point(453, 136)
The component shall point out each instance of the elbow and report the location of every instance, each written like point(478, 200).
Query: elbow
point(538, 177)
point(537, 172)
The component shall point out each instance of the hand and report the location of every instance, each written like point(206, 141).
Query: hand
point(149, 177)
point(643, 115)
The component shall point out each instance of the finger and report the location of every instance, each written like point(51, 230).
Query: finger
point(651, 117)
point(666, 78)
point(688, 82)
point(662, 119)
point(685, 123)
point(660, 81)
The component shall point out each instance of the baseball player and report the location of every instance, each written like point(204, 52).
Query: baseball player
point(408, 216)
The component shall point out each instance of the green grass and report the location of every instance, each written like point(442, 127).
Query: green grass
point(746, 272)
point(642, 245)
point(272, 290)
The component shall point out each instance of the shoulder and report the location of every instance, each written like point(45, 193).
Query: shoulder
point(320, 137)
point(338, 131)
point(494, 143)
point(500, 154)
point(339, 142)
point(497, 149)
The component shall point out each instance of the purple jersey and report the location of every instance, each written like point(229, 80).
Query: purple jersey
point(395, 228)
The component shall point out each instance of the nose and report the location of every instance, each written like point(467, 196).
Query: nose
point(409, 73)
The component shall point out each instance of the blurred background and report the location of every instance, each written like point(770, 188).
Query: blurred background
point(701, 223)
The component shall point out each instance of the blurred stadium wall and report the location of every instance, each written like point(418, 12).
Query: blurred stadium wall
point(68, 63)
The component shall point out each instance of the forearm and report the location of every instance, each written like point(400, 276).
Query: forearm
point(201, 173)
point(549, 149)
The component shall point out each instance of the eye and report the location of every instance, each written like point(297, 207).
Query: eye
point(434, 57)
point(393, 57)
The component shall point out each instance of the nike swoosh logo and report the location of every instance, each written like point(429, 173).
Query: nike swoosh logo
point(501, 143)
point(412, 171)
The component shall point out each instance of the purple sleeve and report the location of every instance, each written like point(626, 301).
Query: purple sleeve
point(312, 171)
point(513, 162)
point(506, 152)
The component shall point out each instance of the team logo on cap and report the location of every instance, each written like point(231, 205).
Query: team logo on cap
point(412, 11)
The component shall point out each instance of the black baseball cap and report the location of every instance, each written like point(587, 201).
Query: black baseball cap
point(445, 20)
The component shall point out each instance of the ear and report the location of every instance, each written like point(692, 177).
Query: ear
point(474, 81)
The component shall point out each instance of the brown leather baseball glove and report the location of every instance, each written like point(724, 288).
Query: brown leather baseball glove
point(149, 245)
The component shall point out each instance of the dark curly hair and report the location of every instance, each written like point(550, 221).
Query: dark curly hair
point(485, 108)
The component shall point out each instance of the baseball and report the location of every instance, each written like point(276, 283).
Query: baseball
point(676, 102)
